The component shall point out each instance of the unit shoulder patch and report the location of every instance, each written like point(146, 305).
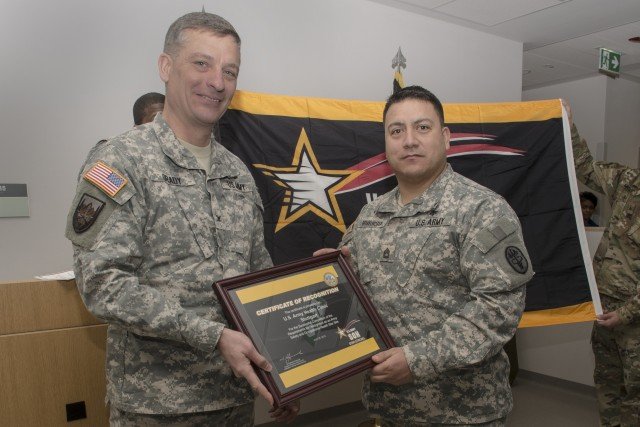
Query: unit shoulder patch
point(516, 259)
point(86, 213)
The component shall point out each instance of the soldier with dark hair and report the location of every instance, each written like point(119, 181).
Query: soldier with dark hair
point(444, 261)
point(146, 107)
point(161, 213)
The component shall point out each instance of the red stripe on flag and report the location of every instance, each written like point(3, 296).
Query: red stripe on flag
point(494, 149)
point(371, 161)
point(373, 174)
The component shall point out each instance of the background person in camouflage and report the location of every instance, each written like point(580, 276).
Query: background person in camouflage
point(161, 212)
point(444, 262)
point(616, 333)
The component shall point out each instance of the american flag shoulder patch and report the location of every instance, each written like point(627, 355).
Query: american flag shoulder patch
point(105, 178)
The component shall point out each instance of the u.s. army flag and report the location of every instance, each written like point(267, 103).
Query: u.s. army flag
point(318, 161)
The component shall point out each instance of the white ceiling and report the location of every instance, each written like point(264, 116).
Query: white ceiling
point(561, 38)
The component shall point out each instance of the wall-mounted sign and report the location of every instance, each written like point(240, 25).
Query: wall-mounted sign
point(14, 201)
point(609, 62)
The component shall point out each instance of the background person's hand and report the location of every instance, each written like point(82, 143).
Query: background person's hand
point(567, 107)
point(609, 320)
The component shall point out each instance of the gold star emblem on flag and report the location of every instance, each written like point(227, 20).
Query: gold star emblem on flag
point(309, 187)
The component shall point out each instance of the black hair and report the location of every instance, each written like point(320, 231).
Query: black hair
point(415, 92)
point(587, 195)
point(143, 103)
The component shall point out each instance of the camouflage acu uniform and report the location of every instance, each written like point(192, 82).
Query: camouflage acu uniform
point(617, 269)
point(447, 273)
point(146, 259)
point(236, 416)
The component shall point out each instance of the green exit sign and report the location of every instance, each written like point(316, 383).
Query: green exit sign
point(609, 62)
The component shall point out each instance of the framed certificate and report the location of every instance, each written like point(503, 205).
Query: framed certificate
point(310, 319)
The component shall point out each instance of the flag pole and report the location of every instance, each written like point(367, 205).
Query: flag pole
point(398, 63)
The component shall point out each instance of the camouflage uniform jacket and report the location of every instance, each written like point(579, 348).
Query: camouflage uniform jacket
point(617, 260)
point(147, 262)
point(447, 274)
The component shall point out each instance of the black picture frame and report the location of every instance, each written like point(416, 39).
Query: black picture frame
point(310, 318)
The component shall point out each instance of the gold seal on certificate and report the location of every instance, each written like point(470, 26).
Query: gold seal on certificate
point(331, 279)
point(310, 319)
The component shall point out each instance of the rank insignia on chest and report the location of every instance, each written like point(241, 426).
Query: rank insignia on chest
point(387, 253)
point(105, 178)
point(233, 185)
point(86, 213)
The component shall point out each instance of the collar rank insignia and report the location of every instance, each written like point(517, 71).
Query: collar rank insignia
point(86, 213)
point(105, 178)
point(434, 209)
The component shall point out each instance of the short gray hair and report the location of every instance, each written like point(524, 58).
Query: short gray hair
point(202, 21)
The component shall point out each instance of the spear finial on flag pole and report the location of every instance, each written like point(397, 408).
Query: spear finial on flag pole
point(398, 63)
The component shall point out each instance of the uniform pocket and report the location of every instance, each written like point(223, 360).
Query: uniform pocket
point(175, 191)
point(234, 228)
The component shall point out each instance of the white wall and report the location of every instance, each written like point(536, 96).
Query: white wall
point(71, 70)
point(588, 102)
point(622, 122)
point(560, 351)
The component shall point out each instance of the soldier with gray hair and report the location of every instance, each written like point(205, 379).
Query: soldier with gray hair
point(444, 262)
point(161, 212)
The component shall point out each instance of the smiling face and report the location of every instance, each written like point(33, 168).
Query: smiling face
point(200, 80)
point(415, 142)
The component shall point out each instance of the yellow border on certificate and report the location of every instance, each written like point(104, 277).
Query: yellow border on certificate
point(324, 364)
point(285, 284)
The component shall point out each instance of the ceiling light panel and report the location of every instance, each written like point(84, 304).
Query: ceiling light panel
point(427, 4)
point(494, 12)
point(540, 74)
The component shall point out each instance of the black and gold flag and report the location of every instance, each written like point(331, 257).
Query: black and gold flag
point(318, 161)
